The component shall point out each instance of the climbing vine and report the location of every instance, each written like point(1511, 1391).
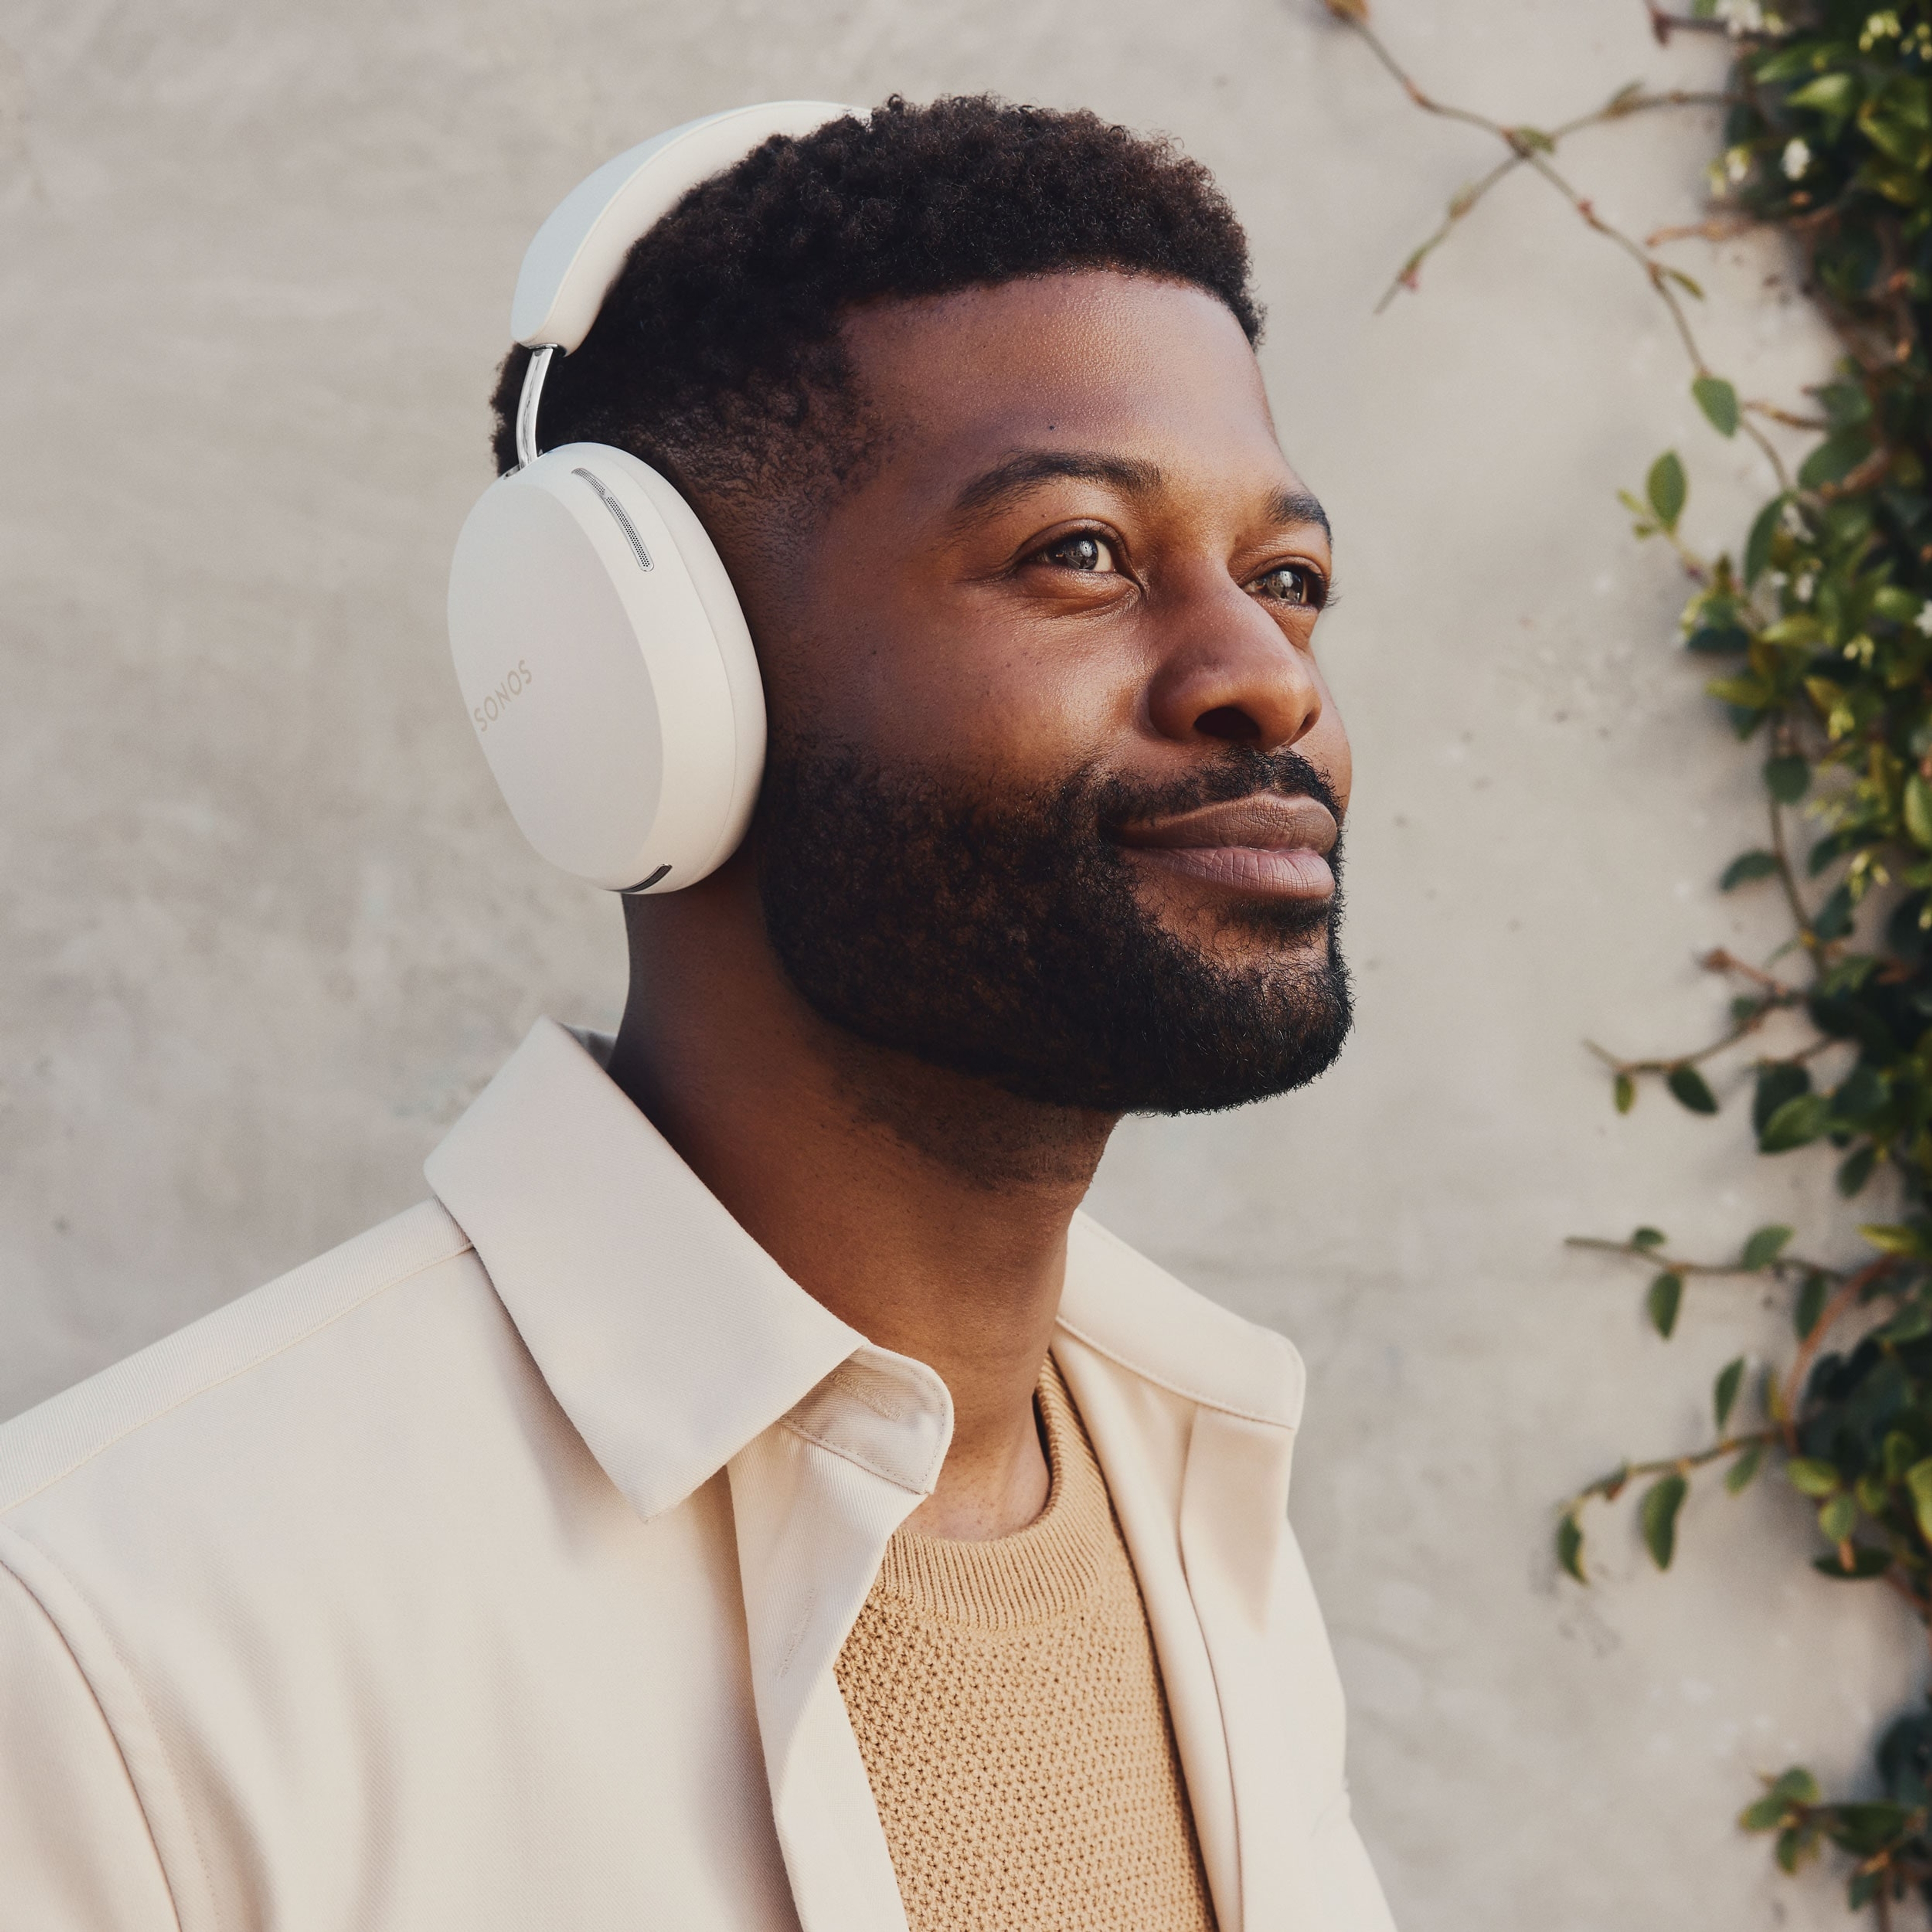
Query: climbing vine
point(1817, 632)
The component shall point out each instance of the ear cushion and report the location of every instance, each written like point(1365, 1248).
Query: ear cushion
point(607, 670)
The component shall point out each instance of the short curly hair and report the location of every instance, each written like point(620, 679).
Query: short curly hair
point(716, 357)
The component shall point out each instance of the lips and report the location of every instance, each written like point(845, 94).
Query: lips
point(1264, 845)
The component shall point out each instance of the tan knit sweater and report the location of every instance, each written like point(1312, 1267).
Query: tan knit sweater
point(1009, 1708)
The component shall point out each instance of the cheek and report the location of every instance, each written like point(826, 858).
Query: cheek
point(958, 686)
point(1327, 748)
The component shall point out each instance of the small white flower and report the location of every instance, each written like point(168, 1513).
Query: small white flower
point(1923, 621)
point(1797, 158)
point(1803, 587)
point(1793, 518)
point(1737, 164)
point(1777, 580)
point(1742, 16)
point(1878, 27)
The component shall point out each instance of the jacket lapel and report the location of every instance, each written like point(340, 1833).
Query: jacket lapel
point(816, 1500)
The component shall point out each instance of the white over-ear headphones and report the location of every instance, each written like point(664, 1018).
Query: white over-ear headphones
point(604, 661)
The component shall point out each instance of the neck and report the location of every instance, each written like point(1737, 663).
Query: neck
point(928, 1210)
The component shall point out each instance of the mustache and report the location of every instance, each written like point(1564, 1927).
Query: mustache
point(1240, 772)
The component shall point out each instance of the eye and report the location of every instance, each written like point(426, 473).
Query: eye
point(1083, 551)
point(1294, 584)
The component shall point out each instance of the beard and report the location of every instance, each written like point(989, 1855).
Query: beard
point(1008, 942)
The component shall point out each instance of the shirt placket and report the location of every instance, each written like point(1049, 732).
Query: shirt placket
point(816, 1498)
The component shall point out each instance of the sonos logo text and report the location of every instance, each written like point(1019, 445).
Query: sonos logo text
point(498, 702)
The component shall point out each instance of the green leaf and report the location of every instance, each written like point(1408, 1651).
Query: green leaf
point(1787, 777)
point(1665, 489)
point(1797, 1786)
point(1797, 1124)
point(1892, 1237)
point(1839, 1517)
point(1765, 1245)
point(1649, 1237)
point(1810, 1477)
point(1718, 640)
point(1746, 867)
point(1919, 810)
point(1867, 1562)
point(1570, 1548)
point(1778, 1081)
point(1833, 95)
point(1856, 1170)
point(1918, 1482)
point(1767, 1814)
point(1657, 1513)
point(1833, 919)
point(1748, 693)
point(1623, 1092)
point(1738, 1476)
point(1763, 534)
point(1724, 1390)
point(1811, 1300)
point(1719, 402)
point(1835, 458)
point(1662, 1303)
point(1690, 1089)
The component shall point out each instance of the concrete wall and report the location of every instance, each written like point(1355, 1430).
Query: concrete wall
point(267, 928)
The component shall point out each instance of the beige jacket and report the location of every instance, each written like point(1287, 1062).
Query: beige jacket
point(487, 1574)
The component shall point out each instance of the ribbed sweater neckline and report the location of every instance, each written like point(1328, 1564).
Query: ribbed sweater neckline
point(1045, 1570)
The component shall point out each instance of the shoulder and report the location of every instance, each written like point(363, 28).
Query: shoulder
point(172, 1388)
point(1137, 1315)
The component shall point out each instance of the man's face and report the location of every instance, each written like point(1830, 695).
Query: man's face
point(1054, 784)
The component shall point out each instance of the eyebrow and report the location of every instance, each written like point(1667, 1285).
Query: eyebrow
point(997, 486)
point(1018, 474)
point(1297, 506)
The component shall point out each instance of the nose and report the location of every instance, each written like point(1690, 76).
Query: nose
point(1228, 672)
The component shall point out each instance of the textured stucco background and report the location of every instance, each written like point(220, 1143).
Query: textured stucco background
point(266, 927)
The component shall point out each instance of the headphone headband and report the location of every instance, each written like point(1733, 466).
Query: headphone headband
point(568, 268)
point(602, 653)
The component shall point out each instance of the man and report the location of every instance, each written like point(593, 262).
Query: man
point(750, 1494)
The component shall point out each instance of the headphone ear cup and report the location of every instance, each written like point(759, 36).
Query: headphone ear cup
point(607, 670)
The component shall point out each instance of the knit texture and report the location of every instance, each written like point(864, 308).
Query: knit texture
point(1009, 1708)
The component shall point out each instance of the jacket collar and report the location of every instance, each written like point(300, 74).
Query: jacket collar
point(669, 1336)
point(672, 1339)
point(1135, 1313)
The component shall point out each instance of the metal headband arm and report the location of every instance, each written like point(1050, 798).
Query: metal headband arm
point(534, 372)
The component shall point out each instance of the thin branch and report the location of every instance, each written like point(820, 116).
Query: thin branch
point(1613, 1485)
point(1523, 143)
point(1531, 147)
point(1720, 961)
point(1742, 1029)
point(1780, 1265)
point(1664, 24)
point(1787, 879)
point(1716, 228)
point(1849, 1292)
point(1789, 418)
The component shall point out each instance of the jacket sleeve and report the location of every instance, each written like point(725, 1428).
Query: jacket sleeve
point(75, 1853)
point(1350, 1893)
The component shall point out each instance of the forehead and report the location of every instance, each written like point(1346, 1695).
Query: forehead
point(1156, 370)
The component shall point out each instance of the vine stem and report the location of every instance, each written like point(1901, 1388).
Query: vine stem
point(1787, 878)
point(1781, 1265)
point(1846, 1296)
point(1531, 148)
point(1611, 1486)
